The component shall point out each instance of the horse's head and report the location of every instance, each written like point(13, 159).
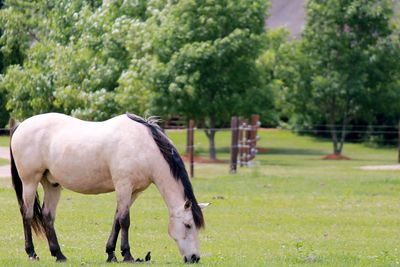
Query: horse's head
point(184, 231)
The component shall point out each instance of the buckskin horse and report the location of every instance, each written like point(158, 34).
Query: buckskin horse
point(124, 154)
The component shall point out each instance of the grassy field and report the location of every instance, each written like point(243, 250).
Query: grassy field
point(4, 140)
point(3, 162)
point(290, 209)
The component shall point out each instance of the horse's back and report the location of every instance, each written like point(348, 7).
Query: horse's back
point(83, 156)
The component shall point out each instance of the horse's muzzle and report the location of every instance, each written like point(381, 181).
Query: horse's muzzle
point(193, 259)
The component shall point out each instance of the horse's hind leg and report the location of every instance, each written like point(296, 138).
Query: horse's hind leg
point(29, 195)
point(51, 197)
point(112, 240)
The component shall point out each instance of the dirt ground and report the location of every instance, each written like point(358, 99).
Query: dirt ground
point(381, 168)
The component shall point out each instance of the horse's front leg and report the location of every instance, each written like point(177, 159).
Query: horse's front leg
point(121, 223)
point(125, 221)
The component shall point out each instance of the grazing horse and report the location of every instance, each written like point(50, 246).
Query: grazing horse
point(124, 154)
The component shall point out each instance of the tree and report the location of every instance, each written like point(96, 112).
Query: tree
point(93, 59)
point(284, 70)
point(8, 55)
point(202, 60)
point(74, 54)
point(353, 61)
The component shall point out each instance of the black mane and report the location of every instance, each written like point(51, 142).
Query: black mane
point(175, 163)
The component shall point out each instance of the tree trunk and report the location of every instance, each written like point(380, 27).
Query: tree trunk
point(335, 141)
point(210, 133)
point(338, 143)
point(335, 133)
point(343, 137)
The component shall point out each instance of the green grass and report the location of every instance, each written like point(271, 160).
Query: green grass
point(4, 141)
point(290, 209)
point(4, 162)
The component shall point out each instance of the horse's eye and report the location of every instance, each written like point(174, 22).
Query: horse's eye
point(188, 226)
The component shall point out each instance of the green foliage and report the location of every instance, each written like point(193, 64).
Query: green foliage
point(283, 68)
point(3, 111)
point(75, 59)
point(353, 52)
point(202, 58)
point(93, 59)
point(206, 60)
point(351, 70)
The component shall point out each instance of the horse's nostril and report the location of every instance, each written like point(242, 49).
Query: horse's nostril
point(194, 258)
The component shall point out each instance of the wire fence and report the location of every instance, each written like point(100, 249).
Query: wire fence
point(351, 135)
point(246, 146)
point(372, 134)
point(364, 137)
point(243, 151)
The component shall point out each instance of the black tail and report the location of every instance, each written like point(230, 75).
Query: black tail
point(175, 163)
point(37, 220)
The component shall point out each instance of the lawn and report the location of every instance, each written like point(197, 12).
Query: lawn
point(4, 140)
point(291, 208)
point(4, 162)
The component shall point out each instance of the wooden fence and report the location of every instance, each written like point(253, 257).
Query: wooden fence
point(243, 142)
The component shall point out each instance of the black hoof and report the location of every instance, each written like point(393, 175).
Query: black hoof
point(34, 257)
point(60, 257)
point(129, 258)
point(64, 259)
point(112, 258)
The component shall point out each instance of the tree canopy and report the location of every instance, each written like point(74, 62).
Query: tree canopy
point(350, 51)
point(201, 59)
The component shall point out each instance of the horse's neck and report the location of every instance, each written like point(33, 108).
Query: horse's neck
point(172, 192)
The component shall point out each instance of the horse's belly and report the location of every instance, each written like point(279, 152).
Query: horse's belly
point(85, 182)
point(90, 188)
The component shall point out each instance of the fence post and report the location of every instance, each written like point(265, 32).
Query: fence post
point(190, 147)
point(241, 136)
point(234, 144)
point(255, 121)
point(11, 123)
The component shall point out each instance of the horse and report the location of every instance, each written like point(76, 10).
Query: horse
point(124, 154)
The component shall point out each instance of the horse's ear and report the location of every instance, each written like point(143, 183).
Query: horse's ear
point(204, 205)
point(188, 205)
